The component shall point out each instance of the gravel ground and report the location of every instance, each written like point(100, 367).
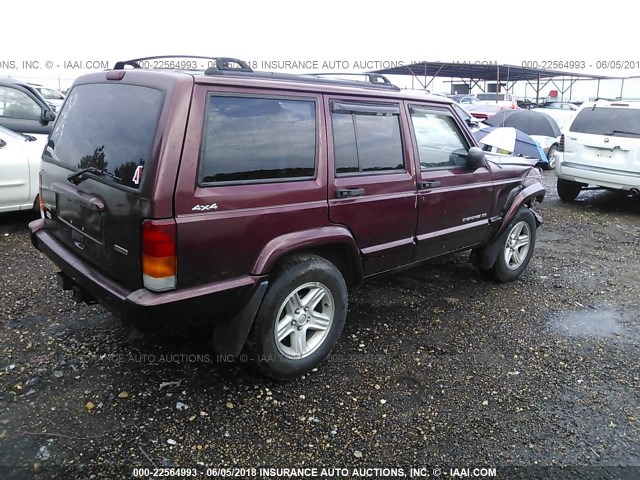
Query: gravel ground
point(436, 367)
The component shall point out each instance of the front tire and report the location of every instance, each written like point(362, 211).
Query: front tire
point(516, 248)
point(568, 190)
point(551, 158)
point(300, 319)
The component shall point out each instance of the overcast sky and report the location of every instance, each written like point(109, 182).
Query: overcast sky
point(502, 31)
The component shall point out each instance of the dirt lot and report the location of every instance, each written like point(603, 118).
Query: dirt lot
point(436, 367)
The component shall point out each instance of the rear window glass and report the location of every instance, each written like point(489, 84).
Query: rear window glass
point(110, 127)
point(256, 140)
point(490, 96)
point(619, 122)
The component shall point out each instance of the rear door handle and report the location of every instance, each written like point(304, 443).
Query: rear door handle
point(349, 192)
point(430, 184)
point(86, 200)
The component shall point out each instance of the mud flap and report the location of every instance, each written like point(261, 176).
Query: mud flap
point(537, 216)
point(229, 336)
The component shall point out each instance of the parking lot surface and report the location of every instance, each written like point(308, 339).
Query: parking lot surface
point(436, 366)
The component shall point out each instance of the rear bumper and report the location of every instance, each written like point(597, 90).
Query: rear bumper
point(615, 178)
point(205, 304)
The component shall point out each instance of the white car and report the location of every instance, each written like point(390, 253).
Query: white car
point(51, 95)
point(19, 176)
point(506, 100)
point(550, 144)
point(600, 147)
point(468, 100)
point(472, 122)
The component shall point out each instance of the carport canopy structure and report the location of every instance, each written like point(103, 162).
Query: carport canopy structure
point(471, 74)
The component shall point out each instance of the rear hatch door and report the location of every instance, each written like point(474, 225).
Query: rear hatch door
point(602, 139)
point(93, 171)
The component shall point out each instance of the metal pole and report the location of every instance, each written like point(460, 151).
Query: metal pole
point(425, 75)
point(562, 91)
point(621, 89)
point(538, 91)
point(598, 89)
point(571, 88)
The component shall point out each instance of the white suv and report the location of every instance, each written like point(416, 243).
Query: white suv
point(600, 147)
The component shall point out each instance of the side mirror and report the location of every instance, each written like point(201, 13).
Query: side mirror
point(475, 158)
point(2, 143)
point(47, 116)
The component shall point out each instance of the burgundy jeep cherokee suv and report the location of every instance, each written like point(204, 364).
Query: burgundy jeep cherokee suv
point(251, 201)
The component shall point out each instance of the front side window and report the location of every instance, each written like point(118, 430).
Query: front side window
point(366, 139)
point(18, 105)
point(257, 140)
point(439, 140)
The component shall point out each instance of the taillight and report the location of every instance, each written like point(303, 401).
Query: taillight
point(561, 143)
point(159, 262)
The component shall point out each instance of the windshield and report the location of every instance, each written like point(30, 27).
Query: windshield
point(108, 127)
point(619, 122)
point(462, 112)
point(50, 94)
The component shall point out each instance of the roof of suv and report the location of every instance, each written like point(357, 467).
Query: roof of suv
point(631, 103)
point(278, 81)
point(243, 76)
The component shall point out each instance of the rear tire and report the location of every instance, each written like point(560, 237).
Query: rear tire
point(516, 248)
point(568, 190)
point(300, 319)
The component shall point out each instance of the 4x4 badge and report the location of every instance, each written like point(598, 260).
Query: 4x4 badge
point(137, 175)
point(205, 208)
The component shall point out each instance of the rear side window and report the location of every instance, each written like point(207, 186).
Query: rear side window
point(366, 138)
point(257, 140)
point(109, 127)
point(619, 122)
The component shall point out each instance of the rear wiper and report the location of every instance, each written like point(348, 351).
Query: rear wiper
point(622, 132)
point(79, 176)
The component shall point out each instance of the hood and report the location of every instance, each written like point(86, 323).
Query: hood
point(503, 160)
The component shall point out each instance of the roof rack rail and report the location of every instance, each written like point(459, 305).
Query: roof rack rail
point(236, 67)
point(221, 63)
point(375, 78)
point(292, 77)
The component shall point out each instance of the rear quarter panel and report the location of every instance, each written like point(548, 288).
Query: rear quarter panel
point(227, 241)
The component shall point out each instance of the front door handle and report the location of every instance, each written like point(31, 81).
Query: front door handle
point(349, 192)
point(430, 184)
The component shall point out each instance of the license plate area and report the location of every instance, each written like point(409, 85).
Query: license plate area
point(604, 153)
point(83, 221)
